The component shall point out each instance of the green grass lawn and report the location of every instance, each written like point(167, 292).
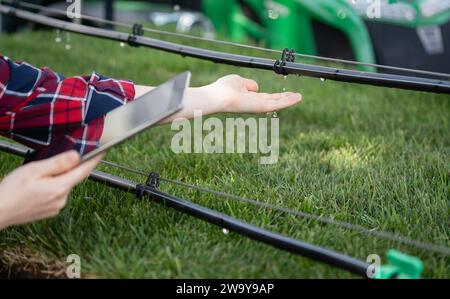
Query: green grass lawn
point(373, 156)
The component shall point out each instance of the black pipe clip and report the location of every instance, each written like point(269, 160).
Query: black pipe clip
point(153, 182)
point(138, 30)
point(288, 55)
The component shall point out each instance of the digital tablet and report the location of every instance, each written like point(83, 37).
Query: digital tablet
point(136, 116)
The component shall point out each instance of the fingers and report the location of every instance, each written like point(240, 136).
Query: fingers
point(73, 177)
point(267, 96)
point(253, 102)
point(274, 103)
point(52, 209)
point(59, 187)
point(57, 164)
point(285, 102)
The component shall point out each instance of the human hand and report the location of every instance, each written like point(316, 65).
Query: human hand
point(235, 94)
point(39, 190)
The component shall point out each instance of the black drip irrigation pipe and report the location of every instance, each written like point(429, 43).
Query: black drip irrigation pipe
point(287, 68)
point(186, 207)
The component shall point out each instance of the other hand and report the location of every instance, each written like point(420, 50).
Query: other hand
point(40, 189)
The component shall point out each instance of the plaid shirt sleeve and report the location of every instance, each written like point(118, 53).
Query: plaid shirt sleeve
point(50, 113)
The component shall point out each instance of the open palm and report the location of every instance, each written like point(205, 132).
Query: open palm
point(241, 95)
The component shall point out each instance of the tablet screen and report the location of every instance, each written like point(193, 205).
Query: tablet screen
point(149, 109)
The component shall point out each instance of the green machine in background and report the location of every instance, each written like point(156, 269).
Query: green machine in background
point(404, 33)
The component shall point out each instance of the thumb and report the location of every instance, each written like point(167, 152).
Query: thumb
point(250, 84)
point(75, 175)
point(58, 164)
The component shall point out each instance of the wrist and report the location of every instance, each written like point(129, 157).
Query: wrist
point(214, 99)
point(209, 99)
point(140, 90)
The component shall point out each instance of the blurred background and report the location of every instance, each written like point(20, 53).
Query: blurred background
point(403, 33)
point(368, 155)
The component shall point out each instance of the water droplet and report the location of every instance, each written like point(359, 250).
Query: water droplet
point(68, 46)
point(323, 79)
point(341, 14)
point(272, 14)
point(225, 231)
point(122, 44)
point(58, 36)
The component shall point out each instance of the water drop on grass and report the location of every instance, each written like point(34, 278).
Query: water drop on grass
point(122, 44)
point(225, 231)
point(58, 36)
point(68, 45)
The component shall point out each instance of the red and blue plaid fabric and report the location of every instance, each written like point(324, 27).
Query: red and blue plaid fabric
point(39, 107)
